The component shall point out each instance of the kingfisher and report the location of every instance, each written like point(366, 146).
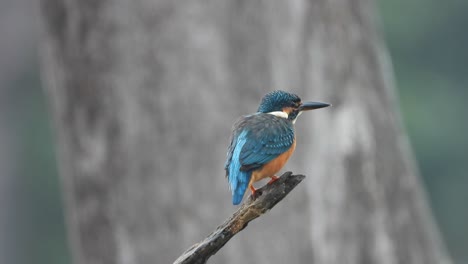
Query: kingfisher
point(261, 143)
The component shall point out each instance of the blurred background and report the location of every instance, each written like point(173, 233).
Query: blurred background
point(428, 45)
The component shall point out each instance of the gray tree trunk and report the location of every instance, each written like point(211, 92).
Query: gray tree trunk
point(144, 94)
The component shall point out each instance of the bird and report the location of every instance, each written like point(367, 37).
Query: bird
point(261, 143)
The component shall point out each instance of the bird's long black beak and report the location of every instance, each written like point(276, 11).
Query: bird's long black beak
point(312, 105)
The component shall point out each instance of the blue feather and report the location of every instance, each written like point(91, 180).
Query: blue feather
point(270, 136)
point(238, 180)
point(260, 138)
point(257, 139)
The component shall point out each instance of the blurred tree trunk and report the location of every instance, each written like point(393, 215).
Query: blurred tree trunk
point(144, 94)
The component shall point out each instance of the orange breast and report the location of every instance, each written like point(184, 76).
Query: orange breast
point(272, 167)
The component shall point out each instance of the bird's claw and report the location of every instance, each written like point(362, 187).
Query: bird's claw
point(255, 193)
point(273, 179)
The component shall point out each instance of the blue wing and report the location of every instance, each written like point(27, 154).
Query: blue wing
point(256, 140)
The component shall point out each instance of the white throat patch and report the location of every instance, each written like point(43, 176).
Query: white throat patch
point(279, 114)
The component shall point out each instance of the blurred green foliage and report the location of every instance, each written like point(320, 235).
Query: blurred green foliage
point(40, 225)
point(428, 43)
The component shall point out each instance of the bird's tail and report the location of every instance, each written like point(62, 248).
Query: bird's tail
point(238, 185)
point(238, 180)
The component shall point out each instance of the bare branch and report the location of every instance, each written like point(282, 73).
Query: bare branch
point(266, 198)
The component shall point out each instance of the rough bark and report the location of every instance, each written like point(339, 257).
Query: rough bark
point(257, 204)
point(144, 94)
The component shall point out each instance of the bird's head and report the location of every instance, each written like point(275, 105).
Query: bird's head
point(287, 105)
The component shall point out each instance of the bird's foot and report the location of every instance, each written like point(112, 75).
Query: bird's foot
point(273, 179)
point(255, 192)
